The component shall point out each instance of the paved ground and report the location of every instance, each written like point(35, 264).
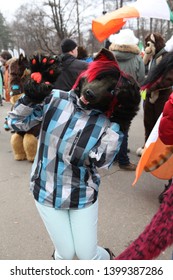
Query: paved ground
point(123, 210)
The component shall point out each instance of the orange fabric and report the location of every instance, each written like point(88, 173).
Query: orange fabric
point(142, 162)
point(156, 159)
point(112, 22)
point(165, 171)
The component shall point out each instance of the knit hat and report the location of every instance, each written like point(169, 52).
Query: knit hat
point(68, 45)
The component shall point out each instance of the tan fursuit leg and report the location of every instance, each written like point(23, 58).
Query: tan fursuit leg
point(30, 146)
point(17, 147)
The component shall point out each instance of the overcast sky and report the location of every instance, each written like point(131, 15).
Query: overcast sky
point(8, 7)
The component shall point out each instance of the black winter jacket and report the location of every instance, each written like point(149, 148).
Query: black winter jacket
point(71, 68)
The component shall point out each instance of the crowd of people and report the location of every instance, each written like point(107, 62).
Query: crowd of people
point(64, 175)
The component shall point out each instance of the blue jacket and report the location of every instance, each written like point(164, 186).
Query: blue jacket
point(72, 143)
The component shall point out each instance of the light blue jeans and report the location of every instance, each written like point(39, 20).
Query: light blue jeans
point(73, 232)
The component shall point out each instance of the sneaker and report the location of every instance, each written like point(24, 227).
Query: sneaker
point(128, 167)
point(6, 127)
point(112, 256)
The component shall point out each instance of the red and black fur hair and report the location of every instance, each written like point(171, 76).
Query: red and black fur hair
point(125, 102)
point(100, 68)
point(161, 75)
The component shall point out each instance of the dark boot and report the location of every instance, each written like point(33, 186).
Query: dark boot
point(161, 196)
point(53, 255)
point(112, 256)
point(6, 127)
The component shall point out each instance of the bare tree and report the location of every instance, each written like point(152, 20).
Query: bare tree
point(78, 22)
point(5, 36)
point(63, 16)
point(32, 31)
point(42, 28)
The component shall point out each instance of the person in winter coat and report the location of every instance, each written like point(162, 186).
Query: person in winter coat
point(71, 67)
point(124, 47)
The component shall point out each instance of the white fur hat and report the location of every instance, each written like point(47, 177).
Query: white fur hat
point(124, 37)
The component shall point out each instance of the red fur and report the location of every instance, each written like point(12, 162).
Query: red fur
point(111, 109)
point(156, 237)
point(152, 84)
point(97, 68)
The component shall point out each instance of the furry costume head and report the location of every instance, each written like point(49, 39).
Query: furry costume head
point(96, 87)
point(18, 72)
point(154, 43)
point(105, 87)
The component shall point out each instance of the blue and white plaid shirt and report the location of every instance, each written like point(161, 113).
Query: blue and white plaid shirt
point(72, 143)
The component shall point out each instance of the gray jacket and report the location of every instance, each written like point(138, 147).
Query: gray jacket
point(129, 60)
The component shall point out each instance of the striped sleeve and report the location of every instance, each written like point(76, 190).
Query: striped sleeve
point(23, 117)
